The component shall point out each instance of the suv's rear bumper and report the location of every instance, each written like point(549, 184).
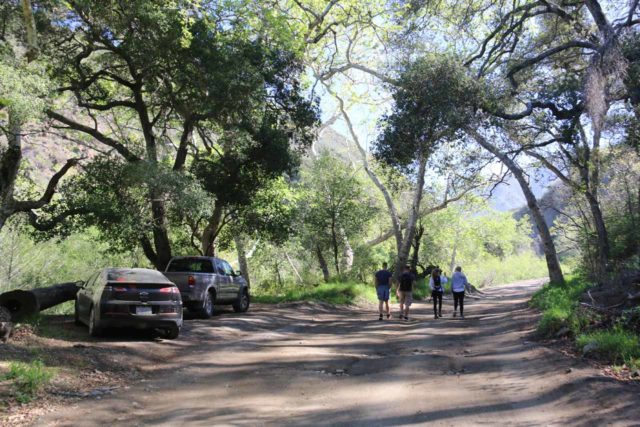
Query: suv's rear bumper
point(133, 321)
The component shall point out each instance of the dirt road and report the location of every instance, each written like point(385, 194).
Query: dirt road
point(307, 364)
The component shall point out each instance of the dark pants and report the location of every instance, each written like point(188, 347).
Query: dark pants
point(437, 301)
point(458, 297)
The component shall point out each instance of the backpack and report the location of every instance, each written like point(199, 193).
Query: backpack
point(437, 285)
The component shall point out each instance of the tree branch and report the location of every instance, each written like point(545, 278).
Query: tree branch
point(547, 53)
point(27, 205)
point(95, 133)
point(564, 178)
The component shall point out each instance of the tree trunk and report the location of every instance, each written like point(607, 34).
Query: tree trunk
point(347, 252)
point(293, 267)
point(160, 234)
point(454, 252)
point(23, 304)
point(336, 251)
point(416, 247)
point(323, 264)
point(602, 235)
point(551, 256)
point(9, 166)
point(278, 276)
point(242, 258)
point(211, 231)
point(403, 254)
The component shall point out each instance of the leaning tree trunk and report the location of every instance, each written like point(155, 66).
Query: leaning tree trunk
point(23, 304)
point(323, 264)
point(551, 256)
point(211, 231)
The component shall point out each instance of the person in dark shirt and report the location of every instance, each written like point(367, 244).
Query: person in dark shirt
point(405, 292)
point(436, 283)
point(383, 286)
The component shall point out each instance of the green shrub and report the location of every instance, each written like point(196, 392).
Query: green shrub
point(631, 319)
point(558, 303)
point(29, 378)
point(617, 345)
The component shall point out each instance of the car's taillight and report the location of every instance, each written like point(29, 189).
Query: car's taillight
point(169, 290)
point(110, 288)
point(191, 281)
point(167, 309)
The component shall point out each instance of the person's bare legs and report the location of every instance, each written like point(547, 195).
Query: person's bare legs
point(386, 303)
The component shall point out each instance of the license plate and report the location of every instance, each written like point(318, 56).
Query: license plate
point(143, 310)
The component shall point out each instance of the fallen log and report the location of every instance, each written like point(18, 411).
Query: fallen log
point(23, 304)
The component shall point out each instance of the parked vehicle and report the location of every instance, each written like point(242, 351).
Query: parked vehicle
point(129, 298)
point(207, 281)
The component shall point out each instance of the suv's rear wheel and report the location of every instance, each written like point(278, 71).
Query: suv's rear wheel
point(242, 303)
point(206, 309)
point(94, 329)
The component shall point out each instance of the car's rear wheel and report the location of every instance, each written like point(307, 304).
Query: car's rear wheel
point(242, 303)
point(172, 332)
point(207, 309)
point(94, 327)
point(76, 315)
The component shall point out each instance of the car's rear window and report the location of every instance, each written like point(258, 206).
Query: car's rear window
point(191, 265)
point(135, 275)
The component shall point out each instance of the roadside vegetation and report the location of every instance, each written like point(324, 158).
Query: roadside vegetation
point(608, 335)
point(28, 379)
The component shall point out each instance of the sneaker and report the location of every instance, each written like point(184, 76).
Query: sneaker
point(380, 318)
point(435, 316)
point(406, 318)
point(388, 315)
point(440, 314)
point(400, 317)
point(462, 316)
point(454, 314)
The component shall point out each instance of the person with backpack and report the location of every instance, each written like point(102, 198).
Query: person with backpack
point(383, 286)
point(458, 285)
point(405, 292)
point(436, 283)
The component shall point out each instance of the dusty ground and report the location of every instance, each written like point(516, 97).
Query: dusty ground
point(307, 364)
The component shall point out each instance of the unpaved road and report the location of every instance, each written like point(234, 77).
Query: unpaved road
point(309, 365)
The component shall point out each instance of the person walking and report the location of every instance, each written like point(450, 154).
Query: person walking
point(383, 286)
point(436, 283)
point(458, 286)
point(405, 292)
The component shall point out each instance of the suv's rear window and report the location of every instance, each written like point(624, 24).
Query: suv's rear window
point(191, 265)
point(135, 275)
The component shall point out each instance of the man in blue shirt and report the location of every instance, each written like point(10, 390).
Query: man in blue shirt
point(383, 285)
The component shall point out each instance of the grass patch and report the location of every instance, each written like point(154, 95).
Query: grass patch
point(617, 345)
point(29, 379)
point(558, 303)
point(493, 271)
point(333, 293)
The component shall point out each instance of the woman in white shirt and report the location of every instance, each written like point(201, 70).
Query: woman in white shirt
point(458, 285)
